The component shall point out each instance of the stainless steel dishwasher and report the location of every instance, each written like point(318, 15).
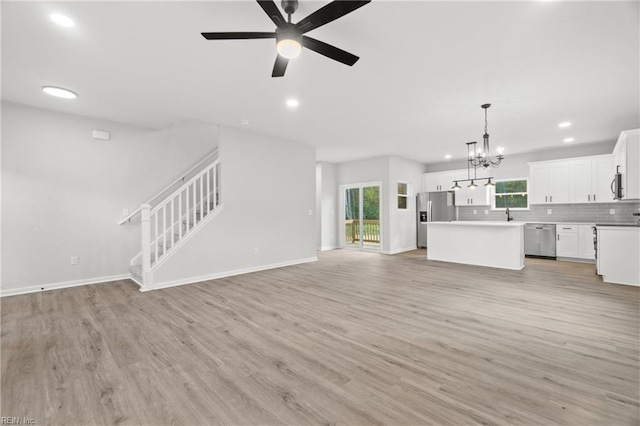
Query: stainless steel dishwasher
point(540, 240)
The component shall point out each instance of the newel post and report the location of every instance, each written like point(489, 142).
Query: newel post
point(145, 211)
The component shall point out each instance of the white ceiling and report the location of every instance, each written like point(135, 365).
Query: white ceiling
point(425, 69)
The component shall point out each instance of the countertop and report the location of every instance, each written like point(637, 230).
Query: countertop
point(618, 225)
point(479, 223)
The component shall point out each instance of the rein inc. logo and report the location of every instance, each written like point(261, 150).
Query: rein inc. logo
point(17, 421)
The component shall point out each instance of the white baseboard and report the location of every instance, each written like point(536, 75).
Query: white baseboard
point(326, 248)
point(193, 280)
point(575, 259)
point(135, 281)
point(402, 250)
point(64, 284)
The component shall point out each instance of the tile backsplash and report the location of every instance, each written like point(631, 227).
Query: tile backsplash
point(589, 213)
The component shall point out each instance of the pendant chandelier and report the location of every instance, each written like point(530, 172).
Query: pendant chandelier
point(482, 157)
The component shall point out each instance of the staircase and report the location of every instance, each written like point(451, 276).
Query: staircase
point(174, 220)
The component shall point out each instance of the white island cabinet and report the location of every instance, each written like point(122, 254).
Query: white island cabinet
point(483, 243)
point(619, 254)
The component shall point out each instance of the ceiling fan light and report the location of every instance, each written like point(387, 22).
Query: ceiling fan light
point(288, 48)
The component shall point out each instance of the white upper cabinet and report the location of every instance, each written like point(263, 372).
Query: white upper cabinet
point(590, 179)
point(626, 157)
point(479, 196)
point(602, 171)
point(574, 180)
point(549, 182)
point(441, 181)
point(473, 197)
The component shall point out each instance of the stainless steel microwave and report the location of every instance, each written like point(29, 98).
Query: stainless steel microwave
point(616, 185)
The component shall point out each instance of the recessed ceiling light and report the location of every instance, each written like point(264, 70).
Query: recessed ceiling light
point(59, 92)
point(244, 122)
point(564, 124)
point(448, 156)
point(292, 103)
point(62, 20)
point(568, 140)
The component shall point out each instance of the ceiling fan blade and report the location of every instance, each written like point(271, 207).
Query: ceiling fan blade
point(237, 36)
point(280, 66)
point(329, 51)
point(272, 10)
point(328, 13)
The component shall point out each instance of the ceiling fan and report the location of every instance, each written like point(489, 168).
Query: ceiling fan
point(289, 36)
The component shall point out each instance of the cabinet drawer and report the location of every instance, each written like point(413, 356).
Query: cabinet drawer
point(566, 228)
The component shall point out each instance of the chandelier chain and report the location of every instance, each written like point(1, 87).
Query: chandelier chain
point(485, 120)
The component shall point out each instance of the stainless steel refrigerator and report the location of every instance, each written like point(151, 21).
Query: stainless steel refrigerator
point(433, 207)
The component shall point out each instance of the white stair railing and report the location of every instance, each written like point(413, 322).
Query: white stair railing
point(173, 221)
point(179, 181)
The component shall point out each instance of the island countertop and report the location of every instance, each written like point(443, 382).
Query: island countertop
point(478, 223)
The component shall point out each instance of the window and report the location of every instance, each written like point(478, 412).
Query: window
point(403, 196)
point(512, 194)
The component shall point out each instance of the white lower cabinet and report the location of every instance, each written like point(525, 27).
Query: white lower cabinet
point(586, 250)
point(567, 240)
point(575, 240)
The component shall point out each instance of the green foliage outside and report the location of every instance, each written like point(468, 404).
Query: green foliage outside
point(371, 203)
point(512, 194)
point(511, 186)
point(370, 207)
point(352, 203)
point(512, 201)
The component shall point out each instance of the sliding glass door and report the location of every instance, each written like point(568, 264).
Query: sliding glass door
point(362, 216)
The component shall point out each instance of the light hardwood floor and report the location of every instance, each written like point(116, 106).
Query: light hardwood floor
point(356, 338)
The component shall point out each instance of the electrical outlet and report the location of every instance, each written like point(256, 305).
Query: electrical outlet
point(125, 212)
point(612, 211)
point(475, 211)
point(486, 212)
point(74, 260)
point(548, 211)
point(310, 212)
point(256, 250)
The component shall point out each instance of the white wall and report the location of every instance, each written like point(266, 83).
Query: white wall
point(268, 189)
point(402, 223)
point(63, 192)
point(327, 202)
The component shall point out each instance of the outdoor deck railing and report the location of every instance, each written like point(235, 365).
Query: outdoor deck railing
point(370, 231)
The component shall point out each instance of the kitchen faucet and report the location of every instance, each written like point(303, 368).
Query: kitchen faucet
point(509, 218)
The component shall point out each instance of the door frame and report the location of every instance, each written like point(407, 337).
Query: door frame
point(341, 236)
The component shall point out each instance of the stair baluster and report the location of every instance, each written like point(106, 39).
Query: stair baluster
point(196, 200)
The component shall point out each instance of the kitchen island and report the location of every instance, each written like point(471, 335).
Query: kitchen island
point(618, 253)
point(483, 243)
